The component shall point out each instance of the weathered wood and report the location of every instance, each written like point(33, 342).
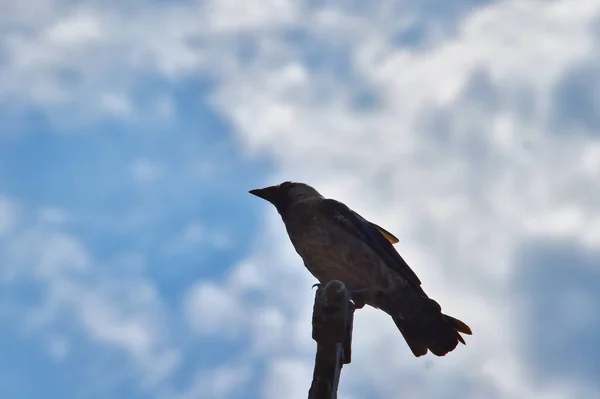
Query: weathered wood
point(333, 316)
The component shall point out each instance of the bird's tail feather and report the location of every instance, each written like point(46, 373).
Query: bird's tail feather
point(432, 330)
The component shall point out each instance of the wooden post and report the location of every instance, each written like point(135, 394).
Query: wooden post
point(333, 316)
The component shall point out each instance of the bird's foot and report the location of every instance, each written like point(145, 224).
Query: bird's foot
point(359, 297)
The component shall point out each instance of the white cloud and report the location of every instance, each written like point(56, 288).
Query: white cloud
point(228, 16)
point(121, 311)
point(441, 165)
point(211, 309)
point(195, 235)
point(44, 254)
point(440, 160)
point(80, 28)
point(262, 299)
point(59, 348)
point(144, 170)
point(52, 215)
point(287, 377)
point(8, 216)
point(220, 382)
point(117, 104)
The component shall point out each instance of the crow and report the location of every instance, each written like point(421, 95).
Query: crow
point(337, 243)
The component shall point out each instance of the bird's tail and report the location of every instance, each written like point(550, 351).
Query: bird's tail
point(432, 330)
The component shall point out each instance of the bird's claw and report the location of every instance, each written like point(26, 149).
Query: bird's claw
point(359, 297)
point(358, 304)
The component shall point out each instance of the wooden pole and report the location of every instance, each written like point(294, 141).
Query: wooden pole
point(332, 321)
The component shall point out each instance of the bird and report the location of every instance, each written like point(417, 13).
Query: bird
point(336, 243)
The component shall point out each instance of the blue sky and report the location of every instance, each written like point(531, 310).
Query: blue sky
point(134, 263)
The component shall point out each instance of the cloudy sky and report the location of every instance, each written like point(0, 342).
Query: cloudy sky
point(134, 264)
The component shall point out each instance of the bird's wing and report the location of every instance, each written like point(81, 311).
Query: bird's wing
point(388, 236)
point(372, 236)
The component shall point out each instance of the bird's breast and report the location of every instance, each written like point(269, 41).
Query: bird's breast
point(332, 253)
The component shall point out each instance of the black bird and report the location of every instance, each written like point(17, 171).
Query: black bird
point(336, 243)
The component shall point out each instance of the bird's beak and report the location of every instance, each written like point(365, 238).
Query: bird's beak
point(268, 193)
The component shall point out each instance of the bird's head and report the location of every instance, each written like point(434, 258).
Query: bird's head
point(286, 194)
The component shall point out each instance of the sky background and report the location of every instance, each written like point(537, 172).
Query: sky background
point(134, 263)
